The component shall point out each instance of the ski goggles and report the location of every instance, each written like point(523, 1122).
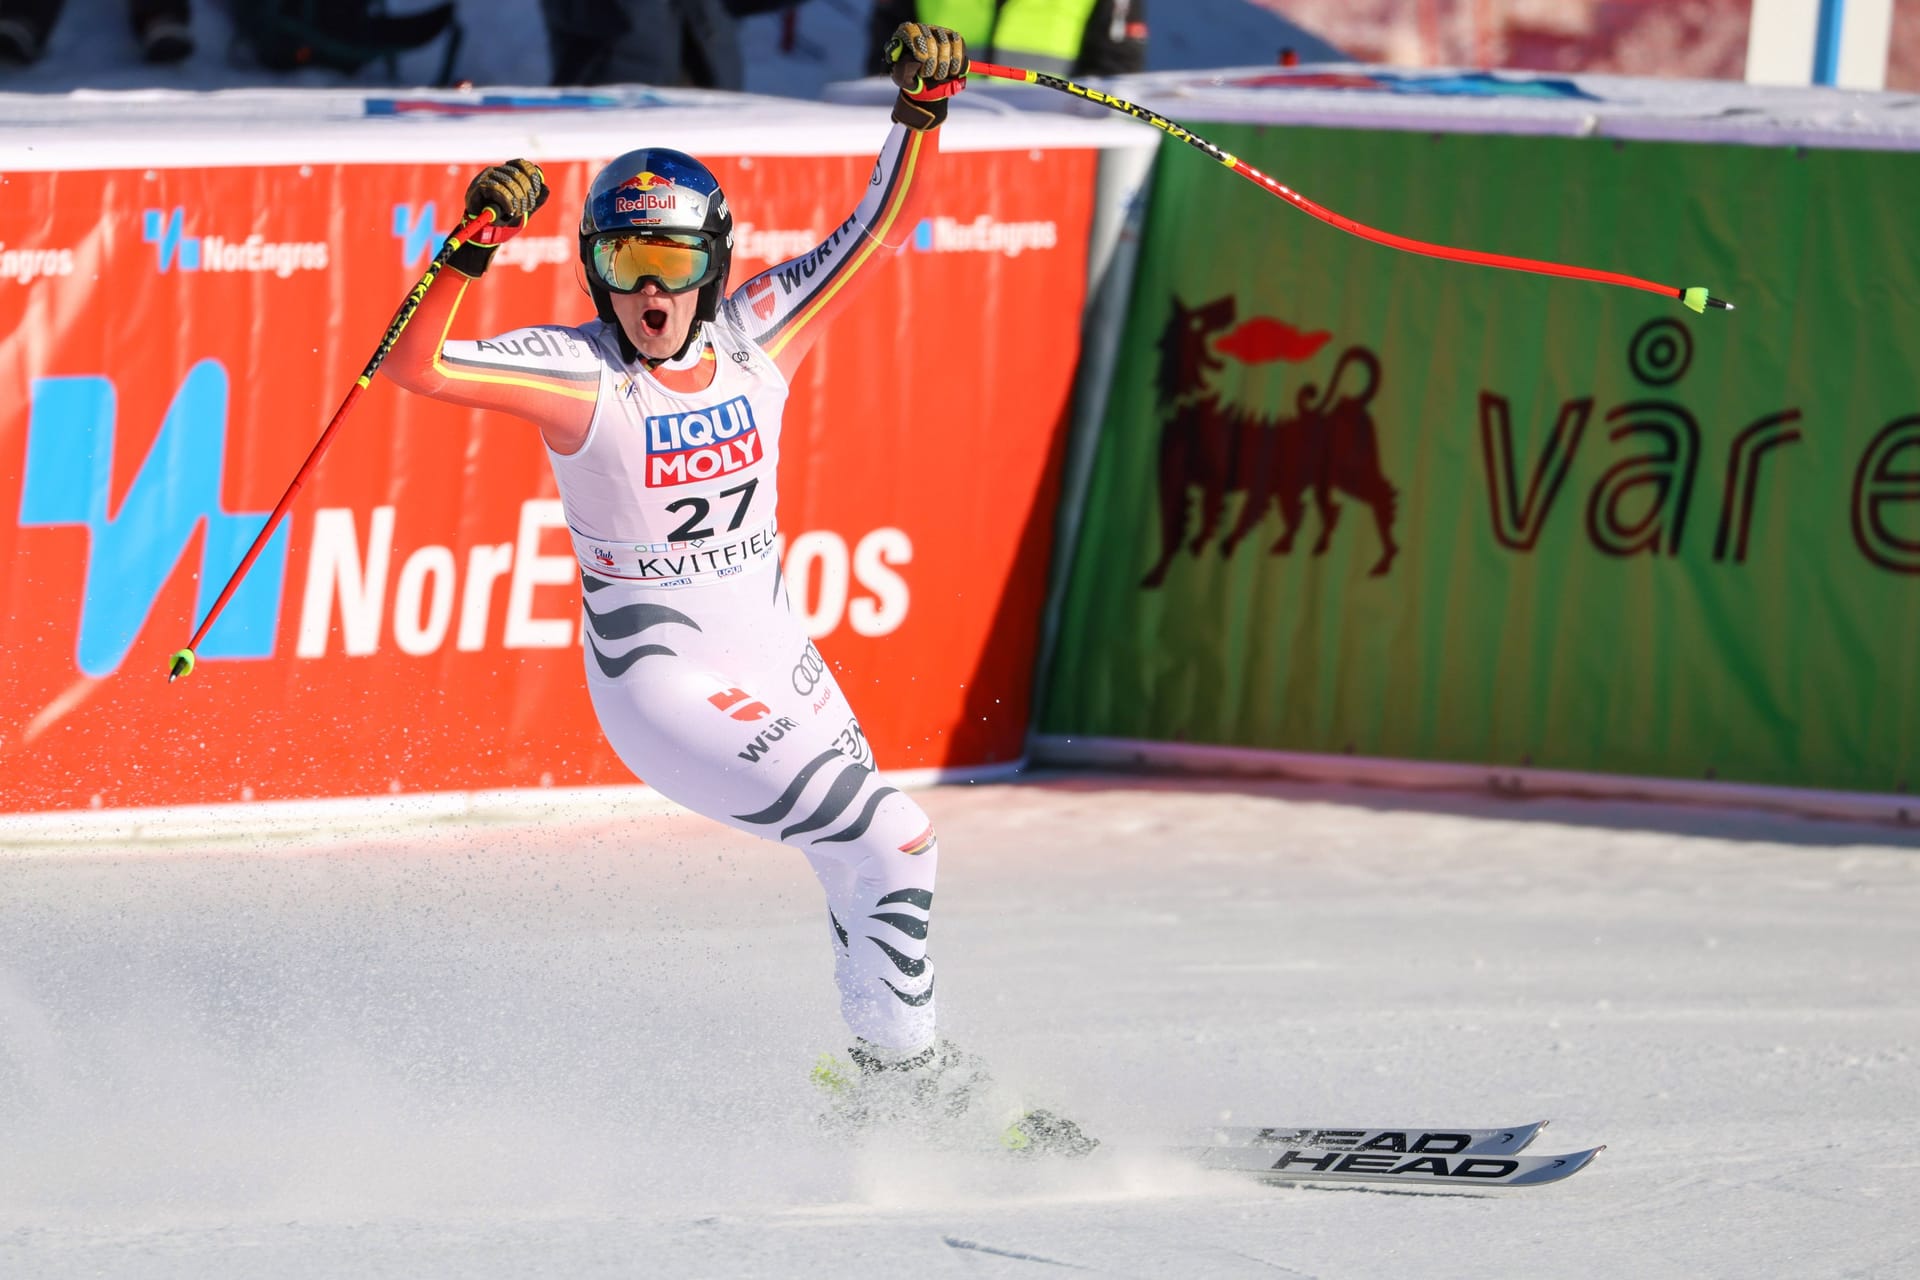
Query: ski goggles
point(676, 261)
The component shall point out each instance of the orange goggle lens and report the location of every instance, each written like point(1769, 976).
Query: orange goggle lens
point(677, 263)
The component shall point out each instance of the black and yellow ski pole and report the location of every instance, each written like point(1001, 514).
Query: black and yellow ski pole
point(1694, 297)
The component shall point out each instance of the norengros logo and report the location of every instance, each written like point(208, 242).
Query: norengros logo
point(420, 237)
point(983, 235)
point(166, 230)
point(24, 266)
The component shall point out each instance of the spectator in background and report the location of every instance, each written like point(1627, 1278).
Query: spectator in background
point(161, 28)
point(342, 35)
point(1065, 37)
point(664, 42)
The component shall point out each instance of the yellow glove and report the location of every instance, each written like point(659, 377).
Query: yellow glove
point(929, 64)
point(514, 191)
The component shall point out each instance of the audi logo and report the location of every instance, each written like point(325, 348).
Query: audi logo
point(809, 672)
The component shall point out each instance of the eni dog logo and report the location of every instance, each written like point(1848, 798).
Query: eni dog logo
point(1329, 445)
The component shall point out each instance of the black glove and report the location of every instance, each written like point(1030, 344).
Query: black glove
point(929, 64)
point(514, 191)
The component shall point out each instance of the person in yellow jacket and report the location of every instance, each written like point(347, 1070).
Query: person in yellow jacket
point(1065, 37)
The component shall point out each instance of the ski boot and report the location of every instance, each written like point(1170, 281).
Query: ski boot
point(877, 1087)
point(23, 32)
point(941, 1090)
point(163, 29)
point(1042, 1133)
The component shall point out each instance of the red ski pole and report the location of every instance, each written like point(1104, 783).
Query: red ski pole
point(183, 661)
point(1695, 297)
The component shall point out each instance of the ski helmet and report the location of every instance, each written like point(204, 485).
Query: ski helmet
point(657, 189)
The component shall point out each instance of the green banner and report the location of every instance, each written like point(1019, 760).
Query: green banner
point(1347, 499)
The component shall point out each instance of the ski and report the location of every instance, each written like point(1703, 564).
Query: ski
point(1429, 1168)
point(1443, 1142)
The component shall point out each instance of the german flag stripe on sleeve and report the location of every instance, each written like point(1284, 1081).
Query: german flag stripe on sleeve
point(877, 235)
point(583, 384)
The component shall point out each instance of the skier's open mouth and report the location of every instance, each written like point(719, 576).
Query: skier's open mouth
point(653, 321)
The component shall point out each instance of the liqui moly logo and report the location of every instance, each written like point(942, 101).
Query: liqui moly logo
point(644, 192)
point(686, 447)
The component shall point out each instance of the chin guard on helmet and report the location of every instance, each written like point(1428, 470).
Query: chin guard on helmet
point(657, 189)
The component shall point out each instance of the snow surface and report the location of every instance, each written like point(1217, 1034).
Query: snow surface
point(580, 1048)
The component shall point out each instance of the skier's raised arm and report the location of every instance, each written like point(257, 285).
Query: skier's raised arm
point(544, 374)
point(785, 309)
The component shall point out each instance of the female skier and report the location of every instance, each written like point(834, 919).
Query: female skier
point(662, 424)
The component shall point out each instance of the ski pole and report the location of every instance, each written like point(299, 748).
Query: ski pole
point(183, 661)
point(1695, 297)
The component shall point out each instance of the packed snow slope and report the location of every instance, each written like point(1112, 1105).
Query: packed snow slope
point(581, 1047)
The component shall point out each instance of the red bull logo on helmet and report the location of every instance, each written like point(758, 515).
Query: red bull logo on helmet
point(646, 180)
point(645, 192)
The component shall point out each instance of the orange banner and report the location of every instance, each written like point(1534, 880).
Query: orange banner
point(175, 340)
